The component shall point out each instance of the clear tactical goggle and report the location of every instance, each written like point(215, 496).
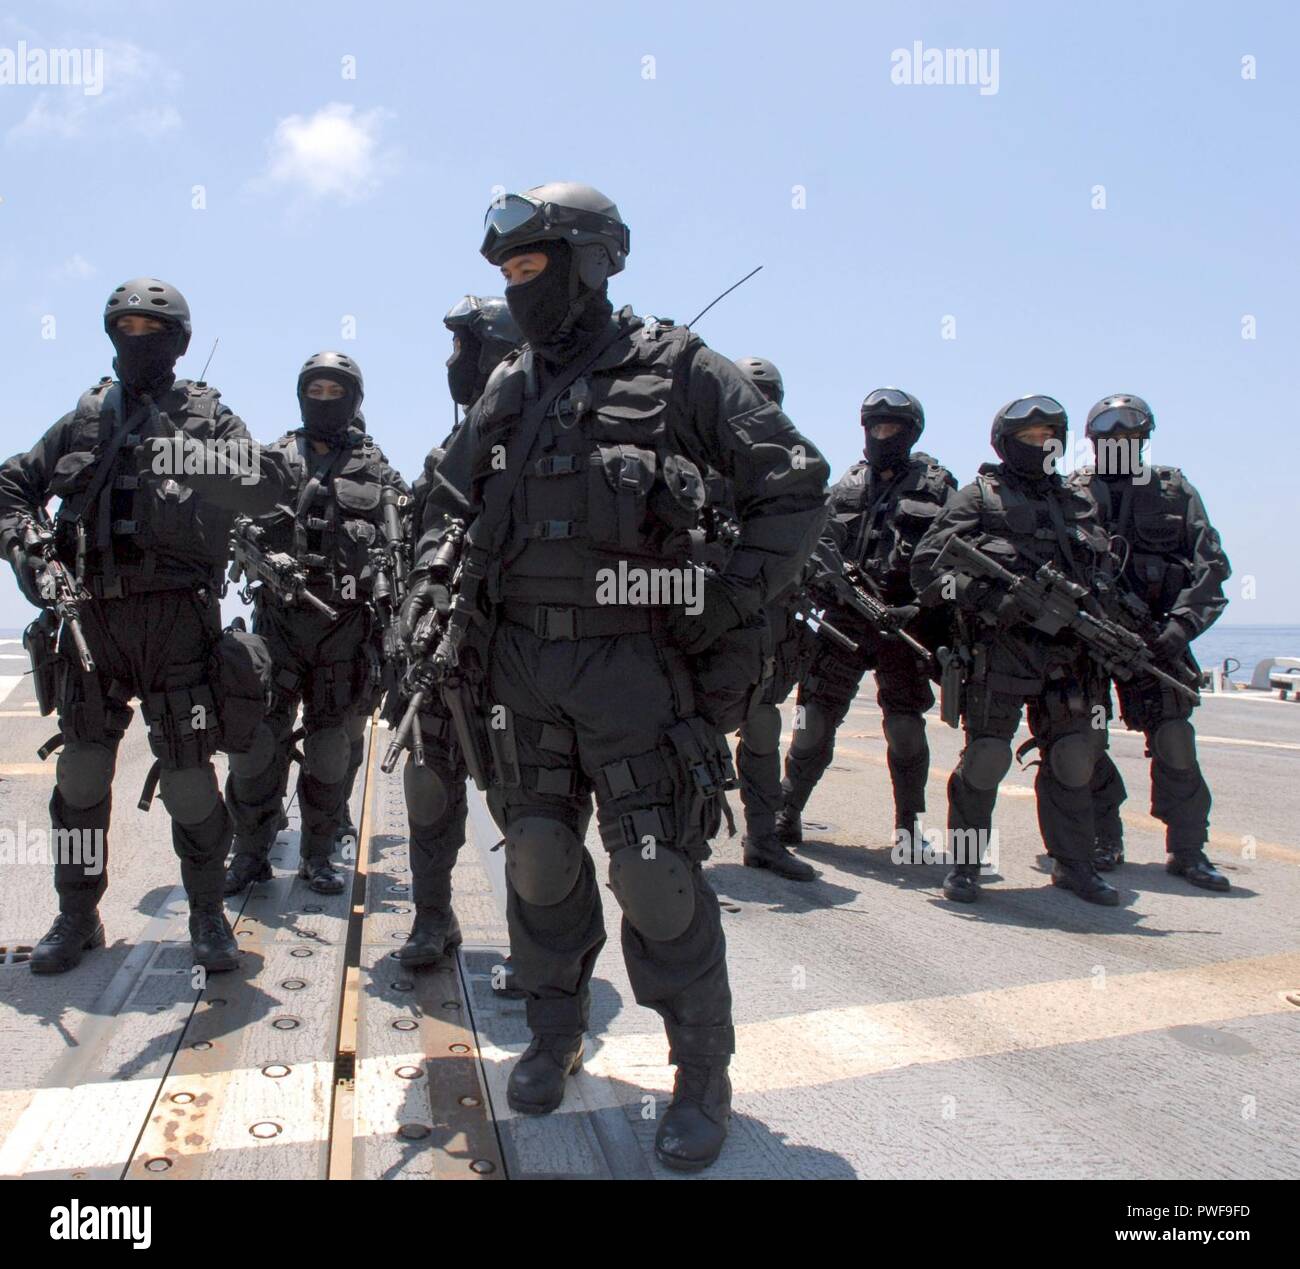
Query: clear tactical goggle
point(887, 399)
point(522, 219)
point(1049, 409)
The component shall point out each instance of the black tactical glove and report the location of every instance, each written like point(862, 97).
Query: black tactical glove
point(27, 569)
point(423, 596)
point(1171, 642)
point(903, 613)
point(720, 612)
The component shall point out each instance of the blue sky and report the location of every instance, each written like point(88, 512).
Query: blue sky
point(328, 197)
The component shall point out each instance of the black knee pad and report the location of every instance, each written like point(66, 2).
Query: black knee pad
point(327, 753)
point(655, 889)
point(1072, 759)
point(356, 727)
point(427, 795)
point(761, 732)
point(818, 724)
point(985, 761)
point(905, 735)
point(84, 774)
point(543, 859)
point(190, 794)
point(259, 758)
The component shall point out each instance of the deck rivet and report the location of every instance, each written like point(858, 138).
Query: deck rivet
point(201, 1045)
point(294, 984)
point(470, 1101)
point(218, 1001)
point(1293, 998)
point(157, 1165)
point(300, 952)
point(414, 1132)
point(265, 1128)
point(182, 1099)
point(451, 1004)
point(285, 1023)
point(405, 1024)
point(458, 1048)
point(483, 1166)
point(409, 1072)
point(275, 1070)
point(403, 984)
point(312, 908)
point(400, 887)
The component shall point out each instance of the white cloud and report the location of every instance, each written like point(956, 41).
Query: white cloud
point(333, 154)
point(76, 268)
point(136, 86)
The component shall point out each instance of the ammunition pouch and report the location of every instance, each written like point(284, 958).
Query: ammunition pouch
point(40, 641)
point(240, 673)
point(728, 674)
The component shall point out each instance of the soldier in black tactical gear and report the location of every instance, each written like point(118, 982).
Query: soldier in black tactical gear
point(1024, 514)
point(1174, 569)
point(758, 755)
point(483, 332)
point(879, 511)
point(580, 475)
point(331, 524)
point(149, 552)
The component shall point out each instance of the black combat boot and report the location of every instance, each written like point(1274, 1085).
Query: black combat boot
point(321, 875)
point(73, 933)
point(766, 851)
point(789, 826)
point(694, 1127)
point(962, 884)
point(536, 1085)
point(434, 934)
point(212, 938)
point(243, 871)
point(1081, 877)
point(1192, 865)
point(1107, 853)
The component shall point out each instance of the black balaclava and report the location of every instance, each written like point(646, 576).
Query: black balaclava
point(327, 420)
point(1029, 461)
point(146, 364)
point(891, 452)
point(557, 314)
point(463, 375)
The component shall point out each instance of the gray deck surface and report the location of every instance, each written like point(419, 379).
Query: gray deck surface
point(881, 1030)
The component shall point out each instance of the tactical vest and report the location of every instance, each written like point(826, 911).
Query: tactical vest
point(1057, 527)
point(338, 517)
point(603, 482)
point(144, 529)
point(883, 523)
point(1152, 519)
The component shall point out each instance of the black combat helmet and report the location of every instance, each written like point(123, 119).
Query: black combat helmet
point(892, 403)
point(1121, 412)
point(487, 319)
point(560, 211)
point(1023, 411)
point(150, 297)
point(333, 365)
point(765, 375)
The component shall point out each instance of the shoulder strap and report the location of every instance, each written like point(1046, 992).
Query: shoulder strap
point(498, 493)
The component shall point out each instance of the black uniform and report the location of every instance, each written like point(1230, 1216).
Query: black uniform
point(151, 553)
point(876, 521)
point(1176, 567)
point(1024, 522)
point(331, 524)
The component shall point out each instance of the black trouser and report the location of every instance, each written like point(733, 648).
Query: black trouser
point(155, 646)
point(826, 692)
point(329, 668)
point(435, 805)
point(1180, 798)
point(610, 715)
point(1065, 706)
point(758, 755)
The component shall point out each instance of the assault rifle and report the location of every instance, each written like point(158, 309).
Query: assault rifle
point(280, 573)
point(853, 589)
point(435, 666)
point(1050, 603)
point(392, 569)
point(58, 588)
